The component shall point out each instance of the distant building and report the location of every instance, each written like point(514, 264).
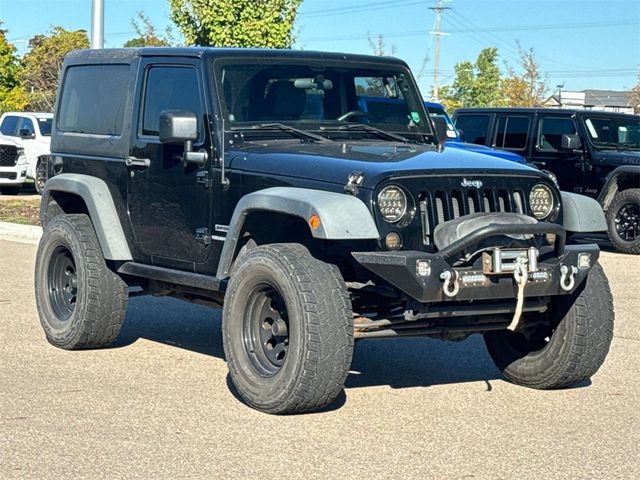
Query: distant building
point(605, 100)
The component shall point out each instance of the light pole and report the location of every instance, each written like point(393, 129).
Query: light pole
point(97, 24)
point(560, 86)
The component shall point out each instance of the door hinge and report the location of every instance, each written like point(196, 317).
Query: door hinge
point(203, 235)
point(204, 179)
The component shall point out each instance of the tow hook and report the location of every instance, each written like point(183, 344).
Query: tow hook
point(451, 285)
point(567, 277)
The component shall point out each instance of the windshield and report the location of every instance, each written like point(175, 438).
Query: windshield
point(617, 132)
point(332, 99)
point(45, 126)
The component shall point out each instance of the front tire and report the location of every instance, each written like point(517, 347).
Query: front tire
point(40, 176)
point(623, 221)
point(568, 353)
point(80, 301)
point(287, 330)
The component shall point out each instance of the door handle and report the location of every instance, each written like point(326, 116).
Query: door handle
point(137, 162)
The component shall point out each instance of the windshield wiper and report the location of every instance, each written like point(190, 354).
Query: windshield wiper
point(380, 133)
point(286, 128)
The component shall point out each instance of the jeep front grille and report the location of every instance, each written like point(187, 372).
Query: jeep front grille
point(443, 205)
point(8, 155)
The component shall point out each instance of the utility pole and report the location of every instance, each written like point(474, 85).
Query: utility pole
point(436, 55)
point(97, 24)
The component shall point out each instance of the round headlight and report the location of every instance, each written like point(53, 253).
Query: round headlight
point(541, 201)
point(392, 203)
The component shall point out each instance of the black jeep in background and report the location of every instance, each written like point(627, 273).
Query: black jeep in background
point(251, 180)
point(590, 152)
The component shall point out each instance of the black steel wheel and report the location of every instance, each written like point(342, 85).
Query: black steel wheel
point(623, 221)
point(62, 282)
point(266, 329)
point(80, 301)
point(287, 329)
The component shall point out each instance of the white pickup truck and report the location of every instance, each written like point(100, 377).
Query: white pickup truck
point(32, 132)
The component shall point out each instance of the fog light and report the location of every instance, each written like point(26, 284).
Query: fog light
point(551, 238)
point(423, 268)
point(393, 241)
point(584, 260)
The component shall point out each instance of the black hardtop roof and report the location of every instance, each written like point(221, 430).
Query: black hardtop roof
point(559, 111)
point(110, 55)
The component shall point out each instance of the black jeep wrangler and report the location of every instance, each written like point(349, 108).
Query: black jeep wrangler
point(250, 180)
point(590, 152)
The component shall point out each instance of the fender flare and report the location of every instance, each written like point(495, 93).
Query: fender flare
point(102, 210)
point(342, 216)
point(582, 214)
point(612, 184)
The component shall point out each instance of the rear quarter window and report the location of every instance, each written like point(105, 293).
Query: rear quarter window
point(475, 128)
point(93, 99)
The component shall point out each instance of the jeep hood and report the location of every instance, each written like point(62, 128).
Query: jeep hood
point(332, 162)
point(617, 157)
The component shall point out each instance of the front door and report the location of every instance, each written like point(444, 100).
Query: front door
point(169, 206)
point(568, 166)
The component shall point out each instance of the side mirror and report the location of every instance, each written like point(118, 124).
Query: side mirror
point(570, 142)
point(441, 129)
point(26, 134)
point(177, 126)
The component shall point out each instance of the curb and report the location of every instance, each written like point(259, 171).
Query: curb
point(20, 233)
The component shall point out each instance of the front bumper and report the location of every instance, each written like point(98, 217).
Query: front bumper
point(13, 175)
point(420, 274)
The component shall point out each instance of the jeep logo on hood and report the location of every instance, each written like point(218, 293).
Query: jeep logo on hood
point(471, 183)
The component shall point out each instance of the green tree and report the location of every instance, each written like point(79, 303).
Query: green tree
point(43, 62)
point(12, 95)
point(475, 84)
point(486, 87)
point(147, 34)
point(236, 23)
point(526, 89)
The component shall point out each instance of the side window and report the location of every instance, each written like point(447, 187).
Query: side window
point(26, 127)
point(550, 131)
point(10, 126)
point(170, 88)
point(93, 99)
point(512, 133)
point(475, 128)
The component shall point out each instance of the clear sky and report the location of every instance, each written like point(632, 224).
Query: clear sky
point(579, 43)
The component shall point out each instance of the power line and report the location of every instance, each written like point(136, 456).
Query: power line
point(358, 8)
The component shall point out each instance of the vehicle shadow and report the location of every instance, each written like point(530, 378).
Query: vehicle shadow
point(172, 322)
point(420, 362)
point(399, 363)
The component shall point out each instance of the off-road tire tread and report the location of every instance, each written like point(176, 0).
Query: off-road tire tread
point(107, 293)
point(328, 321)
point(621, 198)
point(582, 341)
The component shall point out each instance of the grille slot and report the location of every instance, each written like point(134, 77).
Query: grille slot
point(441, 206)
point(8, 155)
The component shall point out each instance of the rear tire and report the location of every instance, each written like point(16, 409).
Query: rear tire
point(576, 347)
point(287, 330)
point(623, 221)
point(80, 301)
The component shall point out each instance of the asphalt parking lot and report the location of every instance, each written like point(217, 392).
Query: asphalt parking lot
point(159, 404)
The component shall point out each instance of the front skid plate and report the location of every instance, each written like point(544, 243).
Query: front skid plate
point(400, 269)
